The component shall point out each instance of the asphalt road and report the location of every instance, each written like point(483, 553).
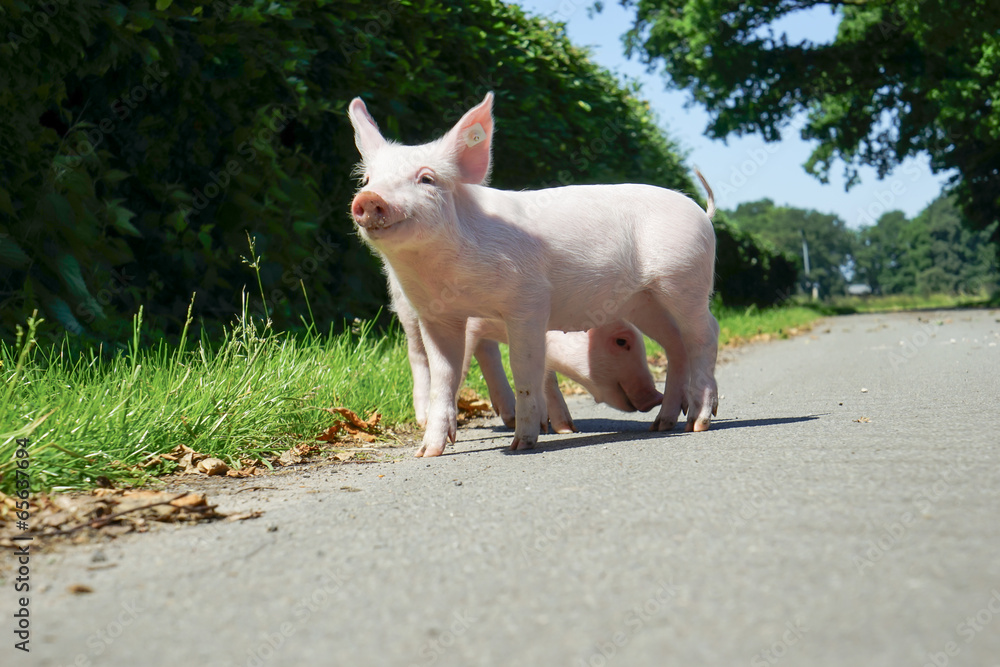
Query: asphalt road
point(843, 510)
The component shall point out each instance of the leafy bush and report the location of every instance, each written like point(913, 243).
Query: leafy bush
point(140, 144)
point(748, 269)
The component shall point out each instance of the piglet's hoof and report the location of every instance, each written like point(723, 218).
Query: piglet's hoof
point(522, 443)
point(698, 425)
point(564, 427)
point(662, 424)
point(436, 448)
point(430, 451)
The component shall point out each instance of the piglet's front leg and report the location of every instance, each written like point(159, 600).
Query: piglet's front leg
point(445, 346)
point(526, 340)
point(419, 366)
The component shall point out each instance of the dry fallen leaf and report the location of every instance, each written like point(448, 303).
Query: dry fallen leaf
point(862, 420)
point(295, 455)
point(471, 405)
point(364, 430)
point(475, 405)
point(190, 500)
point(213, 466)
point(356, 421)
point(108, 512)
point(289, 457)
point(191, 462)
point(330, 434)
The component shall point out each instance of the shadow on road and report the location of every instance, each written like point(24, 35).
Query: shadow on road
point(719, 424)
point(606, 431)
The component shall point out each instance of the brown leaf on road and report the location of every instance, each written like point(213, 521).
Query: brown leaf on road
point(183, 456)
point(363, 430)
point(212, 466)
point(191, 462)
point(190, 500)
point(176, 453)
point(108, 512)
point(471, 405)
point(296, 454)
point(476, 405)
point(354, 420)
point(331, 434)
point(289, 457)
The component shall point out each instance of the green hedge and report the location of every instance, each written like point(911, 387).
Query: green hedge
point(140, 144)
point(748, 270)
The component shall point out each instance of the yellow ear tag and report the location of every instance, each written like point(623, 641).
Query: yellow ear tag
point(474, 135)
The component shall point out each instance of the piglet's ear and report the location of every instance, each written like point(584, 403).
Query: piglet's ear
point(472, 139)
point(366, 135)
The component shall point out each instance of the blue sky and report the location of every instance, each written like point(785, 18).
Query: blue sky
point(745, 168)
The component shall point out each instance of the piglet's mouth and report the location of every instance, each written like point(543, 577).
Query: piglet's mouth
point(371, 212)
point(376, 224)
point(382, 227)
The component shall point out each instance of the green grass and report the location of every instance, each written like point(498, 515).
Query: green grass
point(896, 302)
point(253, 394)
point(741, 324)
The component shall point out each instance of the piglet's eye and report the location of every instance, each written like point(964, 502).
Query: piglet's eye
point(426, 177)
point(621, 342)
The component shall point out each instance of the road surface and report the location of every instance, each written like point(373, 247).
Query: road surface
point(843, 510)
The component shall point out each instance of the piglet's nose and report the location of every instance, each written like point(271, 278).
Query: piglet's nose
point(371, 210)
point(648, 402)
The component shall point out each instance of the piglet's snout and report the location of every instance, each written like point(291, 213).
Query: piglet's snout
point(371, 211)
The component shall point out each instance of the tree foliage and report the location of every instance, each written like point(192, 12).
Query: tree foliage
point(141, 142)
point(901, 78)
point(933, 253)
point(829, 240)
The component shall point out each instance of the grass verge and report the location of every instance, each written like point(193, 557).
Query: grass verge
point(898, 302)
point(251, 395)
